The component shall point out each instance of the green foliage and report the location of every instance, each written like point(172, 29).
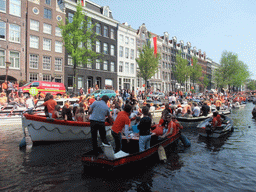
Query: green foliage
point(79, 38)
point(195, 71)
point(251, 85)
point(232, 72)
point(181, 70)
point(205, 81)
point(22, 82)
point(147, 62)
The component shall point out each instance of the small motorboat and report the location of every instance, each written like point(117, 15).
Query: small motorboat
point(192, 122)
point(205, 128)
point(129, 154)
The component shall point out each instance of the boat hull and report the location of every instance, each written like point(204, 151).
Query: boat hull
point(41, 129)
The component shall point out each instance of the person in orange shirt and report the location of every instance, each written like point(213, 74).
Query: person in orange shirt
point(218, 104)
point(216, 121)
point(91, 100)
point(172, 128)
point(50, 105)
point(122, 122)
point(4, 86)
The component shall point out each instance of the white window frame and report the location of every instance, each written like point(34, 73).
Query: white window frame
point(126, 40)
point(13, 60)
point(47, 63)
point(112, 33)
point(2, 58)
point(4, 8)
point(70, 60)
point(97, 64)
point(98, 26)
point(58, 64)
point(15, 7)
point(14, 34)
point(46, 46)
point(105, 29)
point(97, 46)
point(33, 61)
point(126, 67)
point(112, 66)
point(132, 68)
point(121, 38)
point(105, 48)
point(132, 41)
point(112, 50)
point(121, 67)
point(34, 25)
point(4, 28)
point(58, 46)
point(132, 54)
point(89, 63)
point(47, 14)
point(105, 65)
point(47, 77)
point(127, 53)
point(121, 51)
point(58, 32)
point(34, 41)
point(47, 28)
point(34, 79)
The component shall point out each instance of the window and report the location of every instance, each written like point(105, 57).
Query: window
point(121, 65)
point(70, 81)
point(36, 10)
point(105, 48)
point(112, 33)
point(2, 58)
point(121, 38)
point(14, 35)
point(105, 31)
point(89, 44)
point(121, 51)
point(70, 17)
point(47, 44)
point(89, 23)
point(3, 6)
point(47, 13)
point(126, 69)
point(46, 63)
point(58, 32)
point(79, 82)
point(98, 29)
point(2, 30)
point(132, 53)
point(70, 60)
point(48, 2)
point(58, 64)
point(34, 25)
point(33, 61)
point(15, 59)
point(59, 18)
point(33, 77)
point(47, 28)
point(112, 66)
point(89, 63)
point(15, 7)
point(112, 50)
point(105, 65)
point(98, 46)
point(126, 40)
point(97, 64)
point(132, 68)
point(58, 46)
point(126, 53)
point(47, 77)
point(58, 79)
point(132, 41)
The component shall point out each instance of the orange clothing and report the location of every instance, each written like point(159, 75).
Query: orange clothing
point(4, 85)
point(218, 103)
point(216, 121)
point(122, 119)
point(91, 100)
point(161, 122)
point(54, 115)
point(172, 125)
point(50, 104)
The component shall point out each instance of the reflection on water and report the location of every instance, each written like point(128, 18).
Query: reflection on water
point(226, 164)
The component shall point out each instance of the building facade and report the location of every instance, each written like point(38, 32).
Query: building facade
point(126, 49)
point(45, 51)
point(102, 72)
point(12, 39)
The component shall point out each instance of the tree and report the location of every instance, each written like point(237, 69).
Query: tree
point(205, 82)
point(181, 70)
point(79, 38)
point(251, 85)
point(231, 72)
point(147, 62)
point(195, 71)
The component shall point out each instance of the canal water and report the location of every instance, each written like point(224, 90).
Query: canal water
point(227, 164)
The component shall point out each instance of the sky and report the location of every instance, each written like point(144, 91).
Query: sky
point(210, 25)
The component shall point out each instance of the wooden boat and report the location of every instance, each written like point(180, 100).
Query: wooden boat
point(130, 153)
point(42, 129)
point(206, 130)
point(193, 121)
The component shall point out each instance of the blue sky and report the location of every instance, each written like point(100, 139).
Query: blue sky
point(210, 25)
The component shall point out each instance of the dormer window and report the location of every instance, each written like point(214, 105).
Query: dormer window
point(106, 11)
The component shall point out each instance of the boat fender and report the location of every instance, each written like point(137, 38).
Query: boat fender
point(185, 141)
point(161, 153)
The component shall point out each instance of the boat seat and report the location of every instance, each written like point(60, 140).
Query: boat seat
point(109, 152)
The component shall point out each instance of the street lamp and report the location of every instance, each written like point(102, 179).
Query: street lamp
point(7, 65)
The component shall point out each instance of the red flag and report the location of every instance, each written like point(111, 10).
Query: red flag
point(155, 45)
point(191, 62)
point(82, 2)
